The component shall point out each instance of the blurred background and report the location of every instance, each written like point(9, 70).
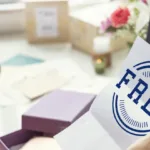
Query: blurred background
point(76, 45)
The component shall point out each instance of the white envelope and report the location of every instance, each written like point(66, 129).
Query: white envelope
point(114, 120)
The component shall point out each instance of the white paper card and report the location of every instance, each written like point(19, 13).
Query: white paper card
point(102, 110)
point(85, 134)
point(46, 22)
point(122, 108)
point(138, 58)
point(138, 61)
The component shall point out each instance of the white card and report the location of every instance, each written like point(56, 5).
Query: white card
point(138, 58)
point(122, 108)
point(102, 110)
point(122, 100)
point(86, 134)
point(138, 61)
point(46, 22)
point(98, 125)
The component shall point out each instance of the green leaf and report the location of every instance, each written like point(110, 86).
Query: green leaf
point(111, 29)
point(131, 1)
point(130, 44)
point(136, 11)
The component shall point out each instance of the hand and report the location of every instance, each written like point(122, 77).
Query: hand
point(142, 144)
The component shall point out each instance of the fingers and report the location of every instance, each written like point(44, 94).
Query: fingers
point(142, 144)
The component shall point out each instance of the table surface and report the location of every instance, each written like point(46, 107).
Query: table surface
point(11, 45)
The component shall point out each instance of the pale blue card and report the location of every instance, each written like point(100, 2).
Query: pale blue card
point(21, 60)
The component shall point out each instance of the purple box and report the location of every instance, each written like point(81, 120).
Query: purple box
point(56, 111)
point(16, 138)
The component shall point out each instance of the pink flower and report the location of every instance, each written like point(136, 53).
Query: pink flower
point(144, 1)
point(120, 17)
point(105, 25)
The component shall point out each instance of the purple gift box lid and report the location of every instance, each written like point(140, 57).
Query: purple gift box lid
point(56, 111)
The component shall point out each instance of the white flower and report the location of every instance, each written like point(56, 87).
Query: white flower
point(144, 15)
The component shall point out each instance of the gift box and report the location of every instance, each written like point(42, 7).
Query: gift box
point(85, 26)
point(49, 116)
point(56, 111)
point(15, 140)
point(47, 21)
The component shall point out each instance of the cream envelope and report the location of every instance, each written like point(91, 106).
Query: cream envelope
point(39, 79)
point(11, 75)
point(33, 87)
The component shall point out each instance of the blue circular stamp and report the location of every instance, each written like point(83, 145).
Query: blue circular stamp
point(130, 112)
